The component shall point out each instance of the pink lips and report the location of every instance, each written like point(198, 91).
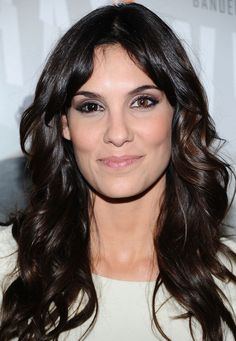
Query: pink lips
point(118, 162)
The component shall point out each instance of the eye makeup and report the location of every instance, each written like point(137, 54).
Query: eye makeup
point(89, 107)
point(144, 102)
point(90, 103)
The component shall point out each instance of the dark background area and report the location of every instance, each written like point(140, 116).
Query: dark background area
point(14, 184)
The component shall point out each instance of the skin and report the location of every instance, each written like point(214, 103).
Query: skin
point(112, 115)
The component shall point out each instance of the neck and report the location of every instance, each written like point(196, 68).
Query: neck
point(122, 234)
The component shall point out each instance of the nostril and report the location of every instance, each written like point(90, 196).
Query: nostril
point(118, 135)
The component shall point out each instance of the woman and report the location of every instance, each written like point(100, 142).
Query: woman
point(121, 237)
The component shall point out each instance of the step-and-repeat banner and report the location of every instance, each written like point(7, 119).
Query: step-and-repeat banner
point(30, 28)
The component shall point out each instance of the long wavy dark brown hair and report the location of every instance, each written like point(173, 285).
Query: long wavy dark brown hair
point(53, 232)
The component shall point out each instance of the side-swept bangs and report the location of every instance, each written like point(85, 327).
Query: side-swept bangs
point(147, 40)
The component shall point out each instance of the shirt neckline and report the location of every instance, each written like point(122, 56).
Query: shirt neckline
point(124, 281)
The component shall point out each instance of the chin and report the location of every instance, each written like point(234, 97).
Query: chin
point(120, 194)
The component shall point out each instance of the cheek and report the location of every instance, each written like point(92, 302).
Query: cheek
point(83, 139)
point(84, 146)
point(158, 132)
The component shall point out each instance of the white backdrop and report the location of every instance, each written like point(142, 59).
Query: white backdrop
point(30, 28)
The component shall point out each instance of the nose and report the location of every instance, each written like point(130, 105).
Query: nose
point(118, 130)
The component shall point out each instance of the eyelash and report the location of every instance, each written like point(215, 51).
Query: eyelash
point(151, 99)
point(84, 107)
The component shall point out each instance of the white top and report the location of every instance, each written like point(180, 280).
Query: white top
point(125, 306)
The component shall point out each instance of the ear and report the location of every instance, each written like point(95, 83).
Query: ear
point(65, 127)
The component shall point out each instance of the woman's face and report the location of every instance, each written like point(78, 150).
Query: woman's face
point(119, 124)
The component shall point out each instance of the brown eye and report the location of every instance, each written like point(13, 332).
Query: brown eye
point(144, 102)
point(89, 107)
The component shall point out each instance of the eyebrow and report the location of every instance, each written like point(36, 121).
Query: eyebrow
point(137, 90)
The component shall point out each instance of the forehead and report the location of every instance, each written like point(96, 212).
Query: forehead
point(103, 53)
point(114, 68)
